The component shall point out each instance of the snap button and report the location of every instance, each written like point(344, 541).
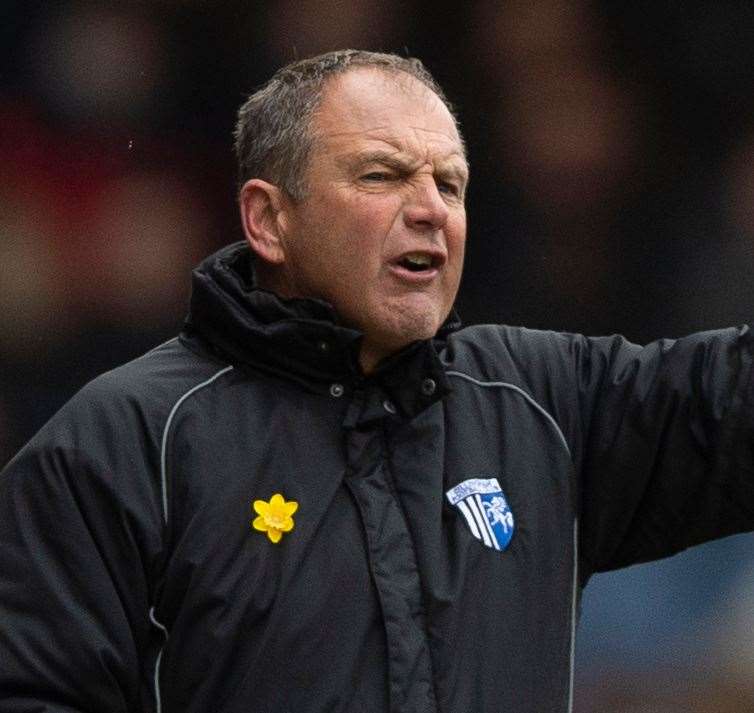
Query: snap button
point(336, 390)
point(389, 406)
point(323, 346)
point(428, 387)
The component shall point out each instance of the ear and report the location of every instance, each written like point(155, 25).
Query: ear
point(263, 219)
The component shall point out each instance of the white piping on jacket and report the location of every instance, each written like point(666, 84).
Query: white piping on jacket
point(574, 600)
point(575, 584)
point(168, 423)
point(159, 346)
point(158, 701)
point(518, 390)
point(163, 485)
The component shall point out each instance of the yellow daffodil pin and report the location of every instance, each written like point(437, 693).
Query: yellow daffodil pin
point(274, 517)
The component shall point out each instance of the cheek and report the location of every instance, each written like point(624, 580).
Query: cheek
point(358, 221)
point(372, 218)
point(456, 243)
point(456, 237)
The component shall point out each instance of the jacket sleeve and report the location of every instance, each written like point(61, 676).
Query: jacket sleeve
point(664, 445)
point(79, 536)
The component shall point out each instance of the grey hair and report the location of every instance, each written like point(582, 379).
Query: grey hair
point(273, 138)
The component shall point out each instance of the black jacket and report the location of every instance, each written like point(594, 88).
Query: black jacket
point(131, 578)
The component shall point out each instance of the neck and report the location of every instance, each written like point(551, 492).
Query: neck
point(369, 361)
point(371, 354)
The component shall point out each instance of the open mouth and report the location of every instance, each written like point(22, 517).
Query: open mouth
point(417, 262)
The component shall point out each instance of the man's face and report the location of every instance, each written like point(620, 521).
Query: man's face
point(381, 232)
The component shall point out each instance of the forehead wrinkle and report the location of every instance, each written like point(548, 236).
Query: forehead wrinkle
point(394, 157)
point(443, 155)
point(413, 151)
point(416, 141)
point(386, 132)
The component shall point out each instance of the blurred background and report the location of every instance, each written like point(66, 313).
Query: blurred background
point(612, 153)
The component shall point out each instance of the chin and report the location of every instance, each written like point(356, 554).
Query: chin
point(394, 334)
point(402, 328)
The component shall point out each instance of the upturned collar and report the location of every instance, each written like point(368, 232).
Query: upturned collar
point(301, 339)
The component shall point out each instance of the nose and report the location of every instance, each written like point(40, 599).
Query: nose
point(425, 209)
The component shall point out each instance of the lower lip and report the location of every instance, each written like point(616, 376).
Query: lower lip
point(415, 278)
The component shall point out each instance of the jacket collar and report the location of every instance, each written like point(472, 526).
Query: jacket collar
point(301, 339)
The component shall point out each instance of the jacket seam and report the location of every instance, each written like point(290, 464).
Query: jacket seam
point(574, 607)
point(529, 399)
point(163, 485)
point(161, 627)
point(159, 346)
point(166, 432)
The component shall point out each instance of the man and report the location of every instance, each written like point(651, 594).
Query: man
point(325, 495)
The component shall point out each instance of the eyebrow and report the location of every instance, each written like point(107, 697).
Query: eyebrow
point(401, 162)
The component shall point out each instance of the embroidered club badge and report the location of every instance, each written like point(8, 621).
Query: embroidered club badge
point(485, 509)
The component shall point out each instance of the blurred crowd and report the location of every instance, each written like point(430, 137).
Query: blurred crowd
point(612, 154)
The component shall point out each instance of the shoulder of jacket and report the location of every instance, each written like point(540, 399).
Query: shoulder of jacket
point(492, 350)
point(147, 387)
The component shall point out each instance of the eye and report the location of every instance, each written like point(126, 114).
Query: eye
point(448, 187)
point(377, 177)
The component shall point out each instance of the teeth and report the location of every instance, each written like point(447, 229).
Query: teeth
point(418, 259)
